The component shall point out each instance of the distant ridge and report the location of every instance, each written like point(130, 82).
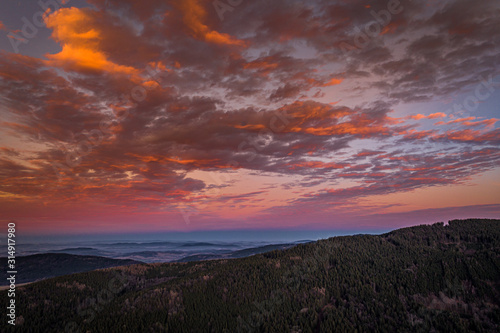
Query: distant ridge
point(42, 266)
point(238, 253)
point(74, 249)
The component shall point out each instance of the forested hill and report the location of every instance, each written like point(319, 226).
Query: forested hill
point(41, 266)
point(420, 279)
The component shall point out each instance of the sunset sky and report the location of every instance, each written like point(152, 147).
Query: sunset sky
point(182, 115)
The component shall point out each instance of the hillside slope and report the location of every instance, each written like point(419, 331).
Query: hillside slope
point(421, 279)
point(42, 266)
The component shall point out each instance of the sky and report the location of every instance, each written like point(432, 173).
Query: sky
point(126, 116)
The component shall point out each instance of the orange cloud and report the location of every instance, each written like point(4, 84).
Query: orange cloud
point(251, 127)
point(202, 164)
point(467, 122)
point(390, 28)
point(321, 119)
point(414, 135)
point(307, 111)
point(265, 66)
point(194, 15)
point(74, 29)
point(2, 26)
point(368, 153)
point(487, 122)
point(431, 116)
point(88, 59)
point(460, 120)
point(333, 82)
point(317, 165)
point(324, 120)
point(345, 128)
point(471, 136)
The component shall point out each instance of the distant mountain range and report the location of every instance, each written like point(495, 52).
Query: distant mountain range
point(157, 251)
point(63, 262)
point(237, 254)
